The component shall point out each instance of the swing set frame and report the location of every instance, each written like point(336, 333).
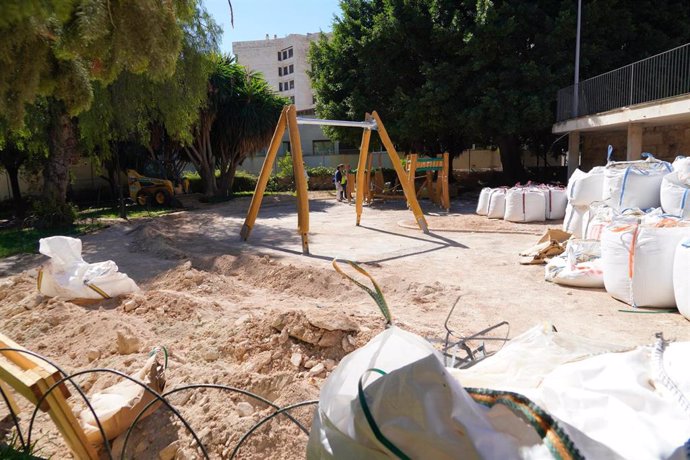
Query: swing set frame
point(290, 121)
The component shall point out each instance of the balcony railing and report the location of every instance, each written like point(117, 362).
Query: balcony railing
point(657, 77)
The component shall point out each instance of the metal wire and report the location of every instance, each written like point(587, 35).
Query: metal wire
point(76, 387)
point(266, 419)
point(15, 420)
point(157, 398)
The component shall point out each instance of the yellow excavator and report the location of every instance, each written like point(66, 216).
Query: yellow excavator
point(152, 190)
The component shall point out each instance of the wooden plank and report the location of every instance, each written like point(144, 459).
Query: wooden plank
point(395, 159)
point(445, 193)
point(300, 180)
point(10, 398)
point(361, 180)
point(265, 174)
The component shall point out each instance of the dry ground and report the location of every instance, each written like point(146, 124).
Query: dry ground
point(259, 315)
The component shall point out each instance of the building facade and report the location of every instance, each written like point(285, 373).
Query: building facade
point(284, 64)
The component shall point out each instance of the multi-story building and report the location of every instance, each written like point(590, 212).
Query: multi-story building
point(284, 64)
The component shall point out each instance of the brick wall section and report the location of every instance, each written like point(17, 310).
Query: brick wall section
point(664, 142)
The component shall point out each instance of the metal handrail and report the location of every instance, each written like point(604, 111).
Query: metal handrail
point(657, 77)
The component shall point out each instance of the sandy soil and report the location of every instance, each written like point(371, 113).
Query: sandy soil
point(260, 316)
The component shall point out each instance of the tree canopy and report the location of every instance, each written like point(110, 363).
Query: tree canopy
point(445, 73)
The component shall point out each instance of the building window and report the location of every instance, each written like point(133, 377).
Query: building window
point(285, 56)
point(292, 68)
point(323, 147)
point(292, 84)
point(285, 70)
point(279, 56)
point(280, 71)
point(280, 86)
point(290, 52)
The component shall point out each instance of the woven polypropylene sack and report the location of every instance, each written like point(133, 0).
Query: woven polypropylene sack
point(681, 277)
point(483, 203)
point(584, 188)
point(525, 205)
point(497, 204)
point(675, 196)
point(634, 184)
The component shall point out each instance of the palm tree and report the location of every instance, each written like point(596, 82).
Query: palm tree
point(245, 122)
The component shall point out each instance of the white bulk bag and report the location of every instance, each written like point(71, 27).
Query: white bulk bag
point(525, 204)
point(634, 184)
point(579, 266)
point(421, 409)
point(638, 262)
point(595, 220)
point(497, 202)
point(585, 188)
point(681, 277)
point(68, 276)
point(681, 165)
point(483, 203)
point(675, 196)
point(556, 201)
point(572, 222)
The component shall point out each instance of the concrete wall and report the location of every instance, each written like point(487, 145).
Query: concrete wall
point(84, 176)
point(664, 142)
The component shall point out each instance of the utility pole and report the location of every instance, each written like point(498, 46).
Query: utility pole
point(576, 85)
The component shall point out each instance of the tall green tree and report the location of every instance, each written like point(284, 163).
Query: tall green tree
point(23, 149)
point(238, 119)
point(444, 73)
point(59, 49)
point(396, 57)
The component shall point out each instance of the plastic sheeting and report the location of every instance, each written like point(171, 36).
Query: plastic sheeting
point(117, 406)
point(420, 409)
point(68, 276)
point(627, 403)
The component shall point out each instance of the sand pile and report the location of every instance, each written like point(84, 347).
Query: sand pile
point(222, 327)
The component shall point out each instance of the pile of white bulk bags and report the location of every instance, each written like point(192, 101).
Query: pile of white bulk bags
point(638, 260)
point(634, 184)
point(529, 203)
point(597, 217)
point(525, 204)
point(681, 277)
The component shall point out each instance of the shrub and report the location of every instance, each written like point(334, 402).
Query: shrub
point(244, 182)
point(51, 214)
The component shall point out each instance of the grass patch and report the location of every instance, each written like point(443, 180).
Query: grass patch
point(133, 212)
point(19, 240)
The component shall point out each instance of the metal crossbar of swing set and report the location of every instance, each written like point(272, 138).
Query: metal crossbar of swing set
point(342, 123)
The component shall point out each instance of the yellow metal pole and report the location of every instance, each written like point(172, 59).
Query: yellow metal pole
point(367, 178)
point(300, 180)
point(444, 184)
point(361, 176)
point(264, 175)
point(395, 159)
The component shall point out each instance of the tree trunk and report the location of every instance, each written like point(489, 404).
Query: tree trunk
point(16, 191)
point(63, 152)
point(227, 178)
point(509, 146)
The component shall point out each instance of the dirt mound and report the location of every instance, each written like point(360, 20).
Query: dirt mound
point(266, 272)
point(149, 239)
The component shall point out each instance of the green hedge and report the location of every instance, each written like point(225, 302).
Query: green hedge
point(320, 179)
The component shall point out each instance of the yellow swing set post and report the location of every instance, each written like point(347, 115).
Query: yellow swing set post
point(288, 120)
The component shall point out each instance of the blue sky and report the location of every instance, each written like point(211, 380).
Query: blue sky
point(256, 18)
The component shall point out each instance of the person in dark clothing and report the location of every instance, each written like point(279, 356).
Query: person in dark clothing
point(338, 179)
